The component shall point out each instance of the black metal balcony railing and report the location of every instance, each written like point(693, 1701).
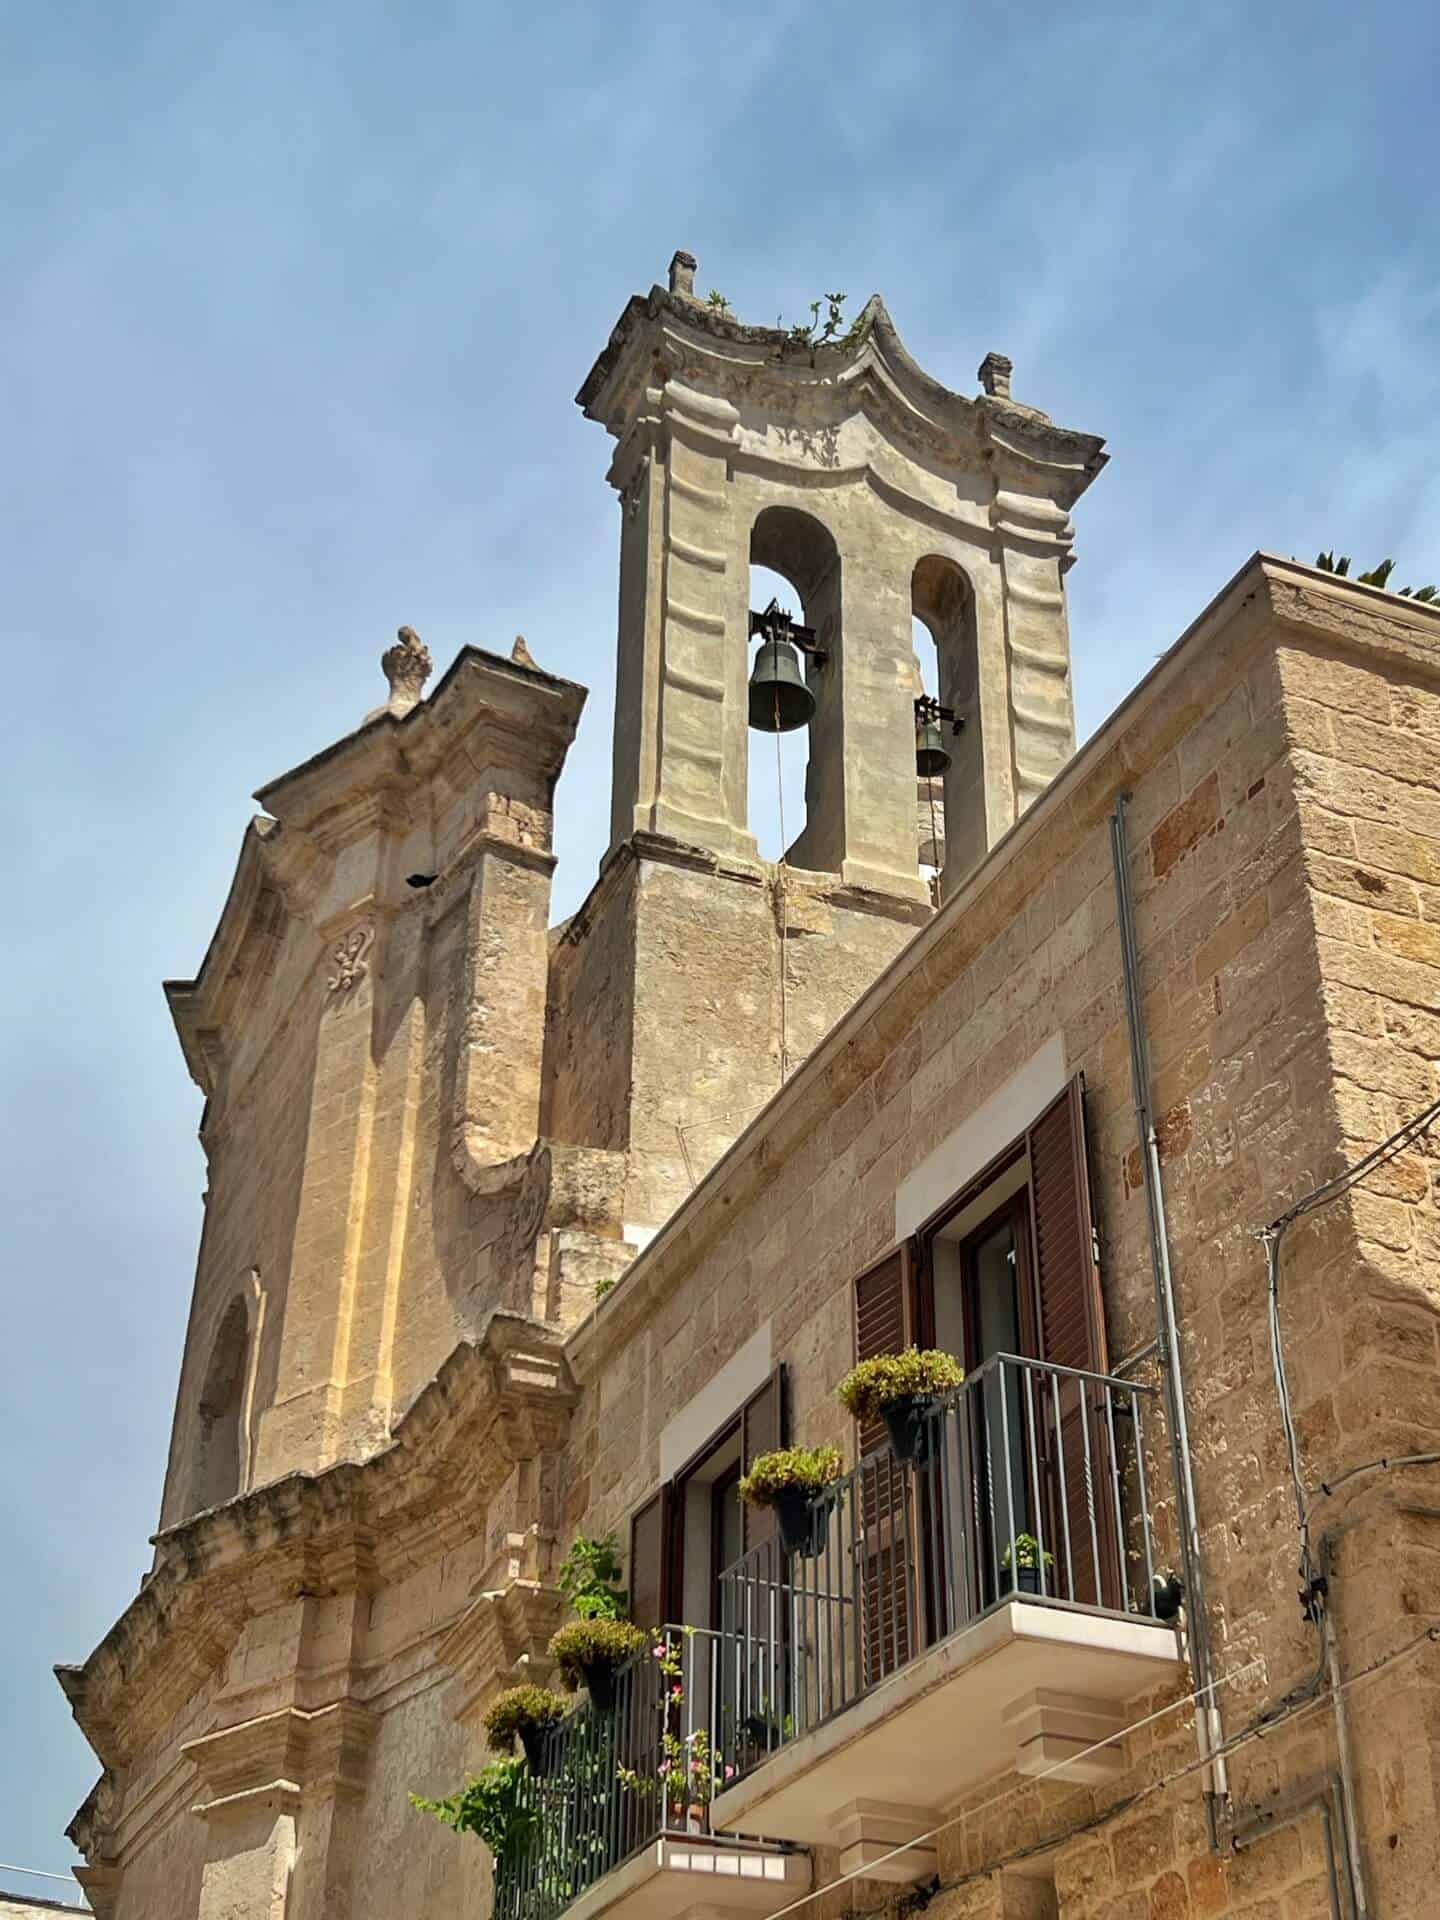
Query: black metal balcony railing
point(1031, 1483)
point(613, 1778)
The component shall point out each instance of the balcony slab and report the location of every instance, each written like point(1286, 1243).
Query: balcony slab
point(674, 1877)
point(991, 1698)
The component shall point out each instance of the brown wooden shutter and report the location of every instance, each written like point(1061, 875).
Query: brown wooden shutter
point(762, 1430)
point(884, 1323)
point(1070, 1317)
point(651, 1532)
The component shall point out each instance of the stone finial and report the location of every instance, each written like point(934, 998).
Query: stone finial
point(682, 275)
point(406, 666)
point(994, 376)
point(521, 654)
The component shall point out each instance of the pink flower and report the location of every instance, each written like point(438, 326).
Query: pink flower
point(729, 1772)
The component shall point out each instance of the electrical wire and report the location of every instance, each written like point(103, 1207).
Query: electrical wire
point(1289, 1709)
point(1375, 1466)
point(37, 1873)
point(1271, 1237)
point(985, 1806)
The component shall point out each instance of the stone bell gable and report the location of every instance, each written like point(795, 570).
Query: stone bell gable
point(881, 494)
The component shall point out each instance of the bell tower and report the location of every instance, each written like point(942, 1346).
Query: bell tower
point(697, 975)
point(835, 460)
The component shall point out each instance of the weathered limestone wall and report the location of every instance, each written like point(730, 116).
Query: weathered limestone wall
point(668, 1016)
point(590, 1019)
point(255, 1142)
point(301, 1662)
point(1290, 987)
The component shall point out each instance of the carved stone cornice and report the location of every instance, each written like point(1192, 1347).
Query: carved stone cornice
point(499, 1640)
point(498, 1401)
point(663, 336)
point(278, 1755)
point(101, 1883)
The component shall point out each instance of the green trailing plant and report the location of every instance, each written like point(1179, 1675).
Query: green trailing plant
point(520, 1707)
point(879, 1382)
point(1376, 577)
point(809, 336)
point(1027, 1553)
point(589, 1578)
point(807, 1470)
point(593, 1643)
point(496, 1807)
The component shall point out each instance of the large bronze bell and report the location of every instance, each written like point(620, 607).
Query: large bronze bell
point(932, 756)
point(780, 701)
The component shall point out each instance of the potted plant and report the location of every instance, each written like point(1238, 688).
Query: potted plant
point(531, 1712)
point(593, 1652)
point(763, 1729)
point(1021, 1568)
point(902, 1388)
point(789, 1482)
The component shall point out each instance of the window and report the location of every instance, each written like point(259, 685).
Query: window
point(218, 1450)
point(695, 1526)
point(1008, 1265)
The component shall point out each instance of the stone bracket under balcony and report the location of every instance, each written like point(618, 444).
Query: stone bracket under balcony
point(1026, 1687)
point(674, 1877)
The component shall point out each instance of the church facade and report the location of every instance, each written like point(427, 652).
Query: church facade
point(518, 1234)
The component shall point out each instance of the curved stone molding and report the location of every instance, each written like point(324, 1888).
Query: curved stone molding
point(496, 1402)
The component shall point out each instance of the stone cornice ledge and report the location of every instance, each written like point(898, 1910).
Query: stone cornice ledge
point(275, 1757)
point(497, 1401)
point(1297, 599)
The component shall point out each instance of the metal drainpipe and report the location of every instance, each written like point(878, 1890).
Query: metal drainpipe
point(1207, 1715)
point(1248, 1832)
point(1346, 1777)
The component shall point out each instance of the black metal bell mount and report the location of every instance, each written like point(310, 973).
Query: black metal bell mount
point(932, 756)
point(780, 701)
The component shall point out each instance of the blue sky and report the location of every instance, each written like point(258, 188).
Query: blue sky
point(296, 301)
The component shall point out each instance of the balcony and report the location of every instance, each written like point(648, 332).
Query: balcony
point(621, 1797)
point(985, 1607)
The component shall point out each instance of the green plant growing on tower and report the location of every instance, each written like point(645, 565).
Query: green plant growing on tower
point(1376, 577)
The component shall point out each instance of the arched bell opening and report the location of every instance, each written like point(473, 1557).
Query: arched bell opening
point(929, 792)
point(950, 804)
point(775, 771)
point(219, 1443)
point(794, 560)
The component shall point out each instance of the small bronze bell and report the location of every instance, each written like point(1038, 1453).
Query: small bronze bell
point(932, 756)
point(780, 701)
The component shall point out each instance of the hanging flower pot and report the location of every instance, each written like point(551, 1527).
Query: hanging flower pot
point(1020, 1570)
point(592, 1652)
point(530, 1712)
point(902, 1389)
point(540, 1754)
point(790, 1482)
point(801, 1520)
point(908, 1423)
